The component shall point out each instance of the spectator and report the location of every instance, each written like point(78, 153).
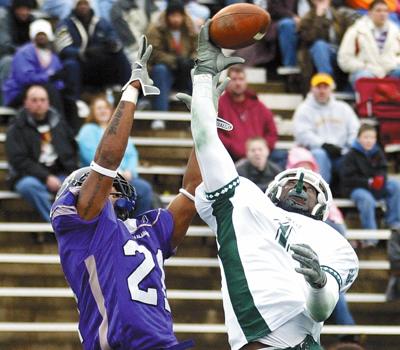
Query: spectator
point(249, 116)
point(14, 32)
point(174, 42)
point(364, 180)
point(302, 158)
point(287, 14)
point(362, 7)
point(40, 149)
point(325, 126)
point(88, 139)
point(371, 47)
point(321, 31)
point(33, 64)
point(130, 20)
point(256, 166)
point(91, 52)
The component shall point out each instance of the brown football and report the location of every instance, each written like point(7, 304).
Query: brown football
point(239, 25)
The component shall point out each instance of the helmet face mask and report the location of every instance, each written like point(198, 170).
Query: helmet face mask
point(124, 206)
point(295, 199)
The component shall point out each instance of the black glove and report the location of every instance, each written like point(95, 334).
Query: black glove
point(332, 150)
point(58, 75)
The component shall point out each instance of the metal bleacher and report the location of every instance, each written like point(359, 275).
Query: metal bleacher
point(38, 310)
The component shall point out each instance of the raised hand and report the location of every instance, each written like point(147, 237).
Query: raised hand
point(210, 59)
point(139, 69)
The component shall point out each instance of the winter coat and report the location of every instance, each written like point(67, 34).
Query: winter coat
point(315, 124)
point(160, 37)
point(359, 50)
point(72, 39)
point(313, 27)
point(250, 119)
point(23, 146)
point(260, 178)
point(26, 70)
point(359, 166)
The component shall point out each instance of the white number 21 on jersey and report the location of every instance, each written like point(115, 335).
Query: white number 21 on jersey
point(148, 296)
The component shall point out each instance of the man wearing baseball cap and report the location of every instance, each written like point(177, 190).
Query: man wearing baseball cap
point(325, 125)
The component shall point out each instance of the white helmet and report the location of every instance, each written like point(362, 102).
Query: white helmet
point(324, 194)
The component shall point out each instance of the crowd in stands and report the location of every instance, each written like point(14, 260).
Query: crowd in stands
point(78, 49)
point(56, 53)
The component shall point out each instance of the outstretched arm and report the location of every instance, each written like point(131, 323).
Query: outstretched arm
point(182, 207)
point(216, 165)
point(96, 188)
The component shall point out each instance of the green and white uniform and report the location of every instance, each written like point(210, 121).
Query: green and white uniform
point(264, 297)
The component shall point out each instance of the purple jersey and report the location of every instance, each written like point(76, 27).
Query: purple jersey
point(115, 269)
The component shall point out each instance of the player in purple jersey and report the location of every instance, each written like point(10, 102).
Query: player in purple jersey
point(112, 261)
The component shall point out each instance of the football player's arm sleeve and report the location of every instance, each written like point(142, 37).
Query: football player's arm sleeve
point(216, 165)
point(320, 302)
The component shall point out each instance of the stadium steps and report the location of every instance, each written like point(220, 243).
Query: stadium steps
point(193, 268)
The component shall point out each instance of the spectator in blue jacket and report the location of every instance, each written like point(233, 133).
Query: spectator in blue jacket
point(35, 63)
point(91, 52)
point(89, 137)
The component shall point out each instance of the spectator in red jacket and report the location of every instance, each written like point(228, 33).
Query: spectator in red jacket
point(249, 116)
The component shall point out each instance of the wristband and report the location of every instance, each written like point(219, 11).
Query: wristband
point(130, 94)
point(103, 171)
point(186, 194)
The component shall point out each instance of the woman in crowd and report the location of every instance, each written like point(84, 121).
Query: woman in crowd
point(88, 138)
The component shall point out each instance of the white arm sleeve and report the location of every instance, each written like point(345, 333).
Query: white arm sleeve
point(321, 302)
point(216, 165)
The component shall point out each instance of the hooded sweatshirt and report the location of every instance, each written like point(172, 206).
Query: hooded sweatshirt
point(334, 122)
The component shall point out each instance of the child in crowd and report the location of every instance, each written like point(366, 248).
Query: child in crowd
point(364, 179)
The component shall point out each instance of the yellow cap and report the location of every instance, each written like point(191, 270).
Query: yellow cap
point(322, 78)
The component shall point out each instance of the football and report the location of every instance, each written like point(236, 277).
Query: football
point(238, 25)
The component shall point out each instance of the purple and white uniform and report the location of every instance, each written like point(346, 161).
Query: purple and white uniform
point(115, 269)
